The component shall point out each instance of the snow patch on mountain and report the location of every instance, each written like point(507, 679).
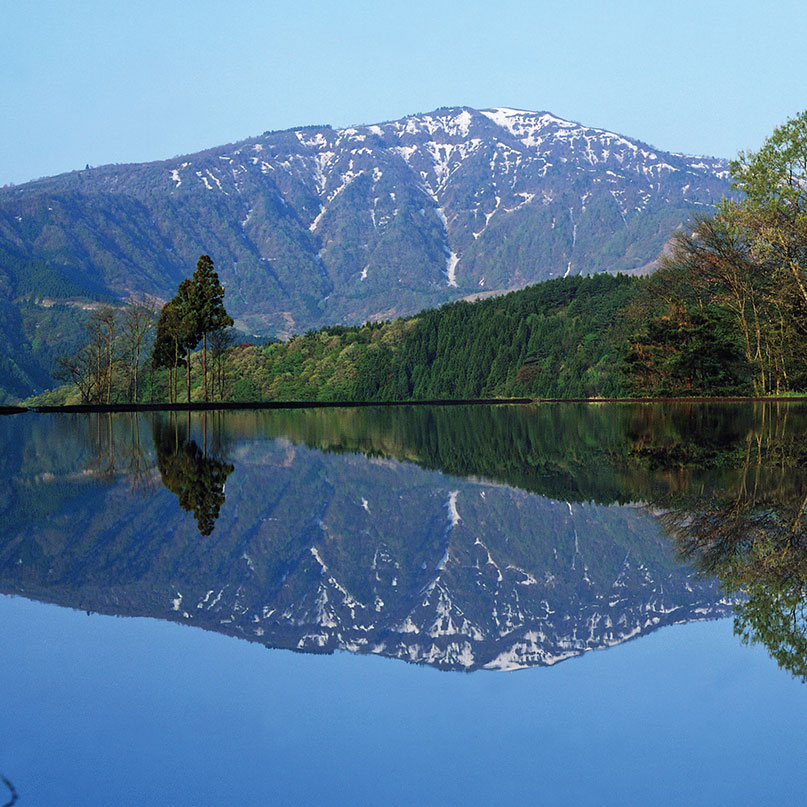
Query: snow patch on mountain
point(451, 504)
point(451, 268)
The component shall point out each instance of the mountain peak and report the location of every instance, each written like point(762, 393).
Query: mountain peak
point(317, 225)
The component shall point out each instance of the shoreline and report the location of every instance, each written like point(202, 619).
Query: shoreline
point(200, 406)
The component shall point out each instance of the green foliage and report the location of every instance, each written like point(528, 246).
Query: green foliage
point(680, 349)
point(208, 298)
point(774, 194)
point(726, 313)
point(556, 339)
point(195, 312)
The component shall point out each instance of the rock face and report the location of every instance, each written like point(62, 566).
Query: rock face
point(318, 551)
point(319, 225)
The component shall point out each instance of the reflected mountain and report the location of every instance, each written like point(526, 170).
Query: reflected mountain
point(461, 537)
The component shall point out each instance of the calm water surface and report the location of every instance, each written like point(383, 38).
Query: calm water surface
point(429, 582)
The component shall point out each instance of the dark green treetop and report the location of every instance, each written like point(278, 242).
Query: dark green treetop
point(206, 306)
point(209, 298)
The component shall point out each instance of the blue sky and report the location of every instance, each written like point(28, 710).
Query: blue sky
point(96, 82)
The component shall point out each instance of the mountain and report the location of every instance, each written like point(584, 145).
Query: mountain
point(316, 225)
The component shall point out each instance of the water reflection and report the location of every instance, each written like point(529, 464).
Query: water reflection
point(196, 478)
point(461, 537)
point(749, 533)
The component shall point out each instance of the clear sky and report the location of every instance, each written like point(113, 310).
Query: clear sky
point(91, 81)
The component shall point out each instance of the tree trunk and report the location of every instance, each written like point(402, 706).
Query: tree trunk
point(758, 336)
point(137, 362)
point(109, 368)
point(188, 372)
point(204, 365)
point(176, 370)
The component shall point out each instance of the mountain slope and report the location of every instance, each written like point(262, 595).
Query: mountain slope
point(319, 225)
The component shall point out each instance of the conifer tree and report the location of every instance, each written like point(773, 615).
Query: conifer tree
point(188, 303)
point(210, 314)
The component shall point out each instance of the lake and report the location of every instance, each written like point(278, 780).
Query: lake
point(401, 605)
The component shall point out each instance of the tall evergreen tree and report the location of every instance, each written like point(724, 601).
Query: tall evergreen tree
point(210, 313)
point(188, 303)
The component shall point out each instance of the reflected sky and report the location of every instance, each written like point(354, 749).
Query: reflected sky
point(104, 711)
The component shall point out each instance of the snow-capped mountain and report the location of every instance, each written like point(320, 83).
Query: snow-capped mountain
point(317, 225)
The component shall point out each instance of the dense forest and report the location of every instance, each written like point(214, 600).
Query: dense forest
point(724, 315)
point(555, 339)
point(562, 338)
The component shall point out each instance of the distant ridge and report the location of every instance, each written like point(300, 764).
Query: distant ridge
point(315, 225)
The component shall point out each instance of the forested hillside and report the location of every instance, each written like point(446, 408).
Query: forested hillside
point(563, 338)
point(556, 339)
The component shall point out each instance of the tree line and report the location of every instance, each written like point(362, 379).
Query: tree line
point(134, 353)
point(726, 312)
point(555, 339)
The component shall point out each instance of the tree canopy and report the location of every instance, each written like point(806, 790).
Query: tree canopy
point(737, 281)
point(194, 313)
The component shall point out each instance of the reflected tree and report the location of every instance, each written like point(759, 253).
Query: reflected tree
point(750, 534)
point(764, 565)
point(115, 448)
point(196, 479)
point(775, 617)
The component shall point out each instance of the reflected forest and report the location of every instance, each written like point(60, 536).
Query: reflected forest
point(725, 482)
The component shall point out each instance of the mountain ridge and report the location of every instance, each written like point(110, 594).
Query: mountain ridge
point(313, 166)
point(314, 226)
point(13, 186)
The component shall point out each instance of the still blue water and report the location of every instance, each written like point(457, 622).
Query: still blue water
point(104, 711)
point(158, 573)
